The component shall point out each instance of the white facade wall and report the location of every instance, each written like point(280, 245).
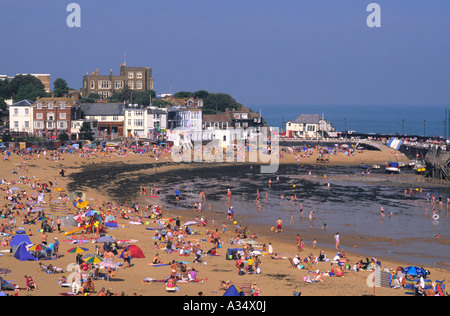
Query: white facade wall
point(21, 118)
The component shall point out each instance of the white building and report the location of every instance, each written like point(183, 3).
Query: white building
point(21, 116)
point(135, 121)
point(156, 118)
point(309, 126)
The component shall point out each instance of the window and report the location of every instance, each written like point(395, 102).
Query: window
point(50, 106)
point(115, 118)
point(27, 124)
point(139, 74)
point(139, 84)
point(103, 118)
point(311, 128)
point(92, 84)
point(50, 116)
point(16, 111)
point(130, 84)
point(39, 116)
point(139, 122)
point(39, 106)
point(130, 75)
point(104, 95)
point(62, 105)
point(16, 124)
point(119, 84)
point(27, 111)
point(104, 84)
point(139, 113)
point(38, 125)
point(62, 125)
point(62, 116)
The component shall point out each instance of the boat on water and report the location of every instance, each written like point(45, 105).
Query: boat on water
point(392, 167)
point(366, 166)
point(376, 166)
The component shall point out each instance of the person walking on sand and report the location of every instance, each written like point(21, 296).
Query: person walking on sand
point(336, 238)
point(279, 226)
point(127, 257)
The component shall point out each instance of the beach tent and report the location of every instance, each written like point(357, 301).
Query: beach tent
point(110, 221)
point(233, 291)
point(23, 254)
point(17, 240)
point(136, 252)
point(232, 253)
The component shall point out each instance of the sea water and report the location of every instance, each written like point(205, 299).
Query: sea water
point(420, 120)
point(347, 201)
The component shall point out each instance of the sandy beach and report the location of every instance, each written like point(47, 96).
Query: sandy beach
point(278, 277)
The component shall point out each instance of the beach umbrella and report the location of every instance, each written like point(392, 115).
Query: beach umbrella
point(93, 260)
point(38, 247)
point(82, 204)
point(59, 189)
point(91, 213)
point(414, 271)
point(77, 250)
point(14, 189)
point(106, 239)
point(88, 255)
point(190, 223)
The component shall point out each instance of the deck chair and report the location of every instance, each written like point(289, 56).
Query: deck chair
point(410, 287)
point(440, 286)
point(428, 284)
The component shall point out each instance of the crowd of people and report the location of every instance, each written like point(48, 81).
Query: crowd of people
point(21, 206)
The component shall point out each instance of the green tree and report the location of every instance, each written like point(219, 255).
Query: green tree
point(86, 131)
point(94, 96)
point(3, 105)
point(161, 103)
point(201, 94)
point(5, 90)
point(183, 94)
point(219, 102)
point(133, 96)
point(21, 81)
point(29, 91)
point(60, 88)
point(63, 137)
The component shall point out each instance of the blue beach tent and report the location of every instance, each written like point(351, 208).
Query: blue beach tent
point(233, 291)
point(23, 254)
point(17, 240)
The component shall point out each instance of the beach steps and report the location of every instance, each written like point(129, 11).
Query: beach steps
point(438, 164)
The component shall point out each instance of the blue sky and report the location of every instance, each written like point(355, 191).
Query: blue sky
point(261, 52)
